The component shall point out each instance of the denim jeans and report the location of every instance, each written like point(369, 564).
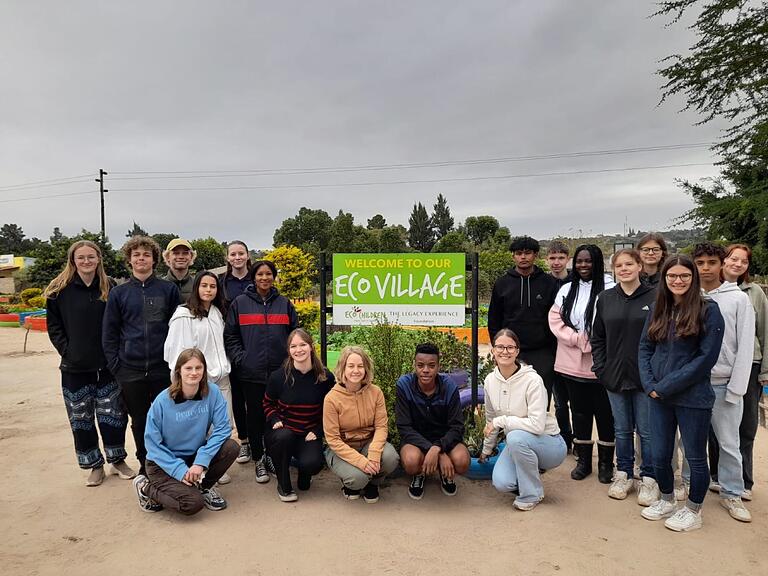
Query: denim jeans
point(726, 419)
point(630, 413)
point(694, 427)
point(518, 465)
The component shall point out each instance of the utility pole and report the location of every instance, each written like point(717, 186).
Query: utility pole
point(100, 180)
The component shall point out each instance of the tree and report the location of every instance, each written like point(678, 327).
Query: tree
point(480, 228)
point(296, 268)
point(377, 222)
point(309, 230)
point(136, 231)
point(393, 240)
point(441, 217)
point(723, 75)
point(454, 241)
point(343, 233)
point(51, 257)
point(11, 239)
point(421, 235)
point(210, 253)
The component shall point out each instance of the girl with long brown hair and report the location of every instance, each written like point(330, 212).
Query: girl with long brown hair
point(75, 303)
point(679, 346)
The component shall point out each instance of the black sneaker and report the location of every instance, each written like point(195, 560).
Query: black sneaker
point(350, 494)
point(286, 495)
point(270, 466)
point(245, 454)
point(262, 476)
point(303, 482)
point(448, 486)
point(145, 502)
point(371, 493)
point(213, 500)
point(416, 489)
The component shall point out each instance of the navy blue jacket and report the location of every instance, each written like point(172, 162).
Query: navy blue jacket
point(678, 369)
point(256, 333)
point(616, 330)
point(136, 323)
point(427, 421)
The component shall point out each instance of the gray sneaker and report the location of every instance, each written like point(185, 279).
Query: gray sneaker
point(262, 476)
point(213, 500)
point(146, 503)
point(245, 454)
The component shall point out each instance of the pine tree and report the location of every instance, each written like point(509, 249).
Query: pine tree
point(442, 221)
point(421, 235)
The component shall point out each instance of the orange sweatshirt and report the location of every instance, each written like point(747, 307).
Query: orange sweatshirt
point(352, 419)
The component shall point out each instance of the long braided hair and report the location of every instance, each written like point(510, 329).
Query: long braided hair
point(598, 285)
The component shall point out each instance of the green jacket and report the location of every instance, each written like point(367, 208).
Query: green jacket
point(184, 285)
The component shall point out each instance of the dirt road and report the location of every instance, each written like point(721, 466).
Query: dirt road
point(52, 524)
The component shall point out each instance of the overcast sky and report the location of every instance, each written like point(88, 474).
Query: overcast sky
point(243, 85)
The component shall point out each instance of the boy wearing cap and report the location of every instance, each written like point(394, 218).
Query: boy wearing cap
point(179, 256)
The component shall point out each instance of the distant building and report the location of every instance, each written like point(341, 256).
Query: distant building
point(9, 264)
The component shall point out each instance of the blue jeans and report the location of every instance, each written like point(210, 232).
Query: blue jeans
point(630, 413)
point(518, 465)
point(694, 429)
point(726, 419)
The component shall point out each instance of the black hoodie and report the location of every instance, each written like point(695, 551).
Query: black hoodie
point(522, 303)
point(616, 332)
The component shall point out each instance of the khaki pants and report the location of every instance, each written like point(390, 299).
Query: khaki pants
point(354, 478)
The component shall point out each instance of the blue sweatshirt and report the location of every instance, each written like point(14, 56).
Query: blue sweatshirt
point(176, 430)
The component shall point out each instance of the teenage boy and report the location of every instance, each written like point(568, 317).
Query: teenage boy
point(520, 301)
point(430, 422)
point(557, 259)
point(134, 331)
point(179, 256)
point(730, 375)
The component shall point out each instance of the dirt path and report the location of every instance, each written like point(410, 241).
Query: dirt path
point(52, 524)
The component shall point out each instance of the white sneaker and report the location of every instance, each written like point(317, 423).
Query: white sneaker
point(648, 491)
point(658, 510)
point(621, 486)
point(225, 479)
point(684, 520)
point(736, 509)
point(714, 486)
point(681, 492)
point(747, 495)
point(526, 506)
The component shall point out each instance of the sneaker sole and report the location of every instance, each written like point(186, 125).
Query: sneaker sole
point(370, 500)
point(289, 498)
point(351, 497)
point(448, 493)
point(215, 508)
point(240, 460)
point(656, 519)
point(683, 528)
point(262, 479)
point(415, 497)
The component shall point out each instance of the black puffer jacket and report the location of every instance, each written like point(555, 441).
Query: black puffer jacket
point(616, 332)
point(256, 332)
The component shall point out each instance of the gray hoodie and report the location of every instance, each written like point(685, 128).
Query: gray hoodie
point(760, 304)
point(735, 361)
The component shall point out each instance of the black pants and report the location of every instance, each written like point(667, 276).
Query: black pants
point(543, 361)
point(90, 396)
point(238, 407)
point(253, 390)
point(139, 389)
point(590, 400)
point(562, 409)
point(175, 495)
point(747, 431)
point(284, 444)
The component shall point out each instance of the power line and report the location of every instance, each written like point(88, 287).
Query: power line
point(48, 196)
point(144, 175)
point(395, 182)
point(47, 183)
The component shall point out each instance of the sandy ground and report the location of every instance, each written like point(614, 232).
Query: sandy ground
point(52, 523)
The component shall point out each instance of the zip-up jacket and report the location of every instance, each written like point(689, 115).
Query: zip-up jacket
point(256, 333)
point(427, 421)
point(75, 316)
point(136, 323)
point(232, 287)
point(760, 304)
point(521, 303)
point(734, 364)
point(206, 333)
point(184, 285)
point(616, 331)
point(678, 369)
point(353, 419)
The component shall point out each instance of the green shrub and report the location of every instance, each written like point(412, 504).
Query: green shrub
point(29, 293)
point(37, 302)
point(309, 315)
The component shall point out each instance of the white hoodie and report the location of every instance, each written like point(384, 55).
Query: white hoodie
point(516, 403)
point(736, 354)
point(207, 334)
point(582, 298)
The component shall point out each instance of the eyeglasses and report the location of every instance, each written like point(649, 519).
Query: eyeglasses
point(508, 349)
point(684, 277)
point(86, 258)
point(650, 250)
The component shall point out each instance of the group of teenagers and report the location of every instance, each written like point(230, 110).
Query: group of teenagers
point(667, 362)
point(673, 354)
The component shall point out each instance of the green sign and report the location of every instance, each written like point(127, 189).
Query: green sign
point(412, 289)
